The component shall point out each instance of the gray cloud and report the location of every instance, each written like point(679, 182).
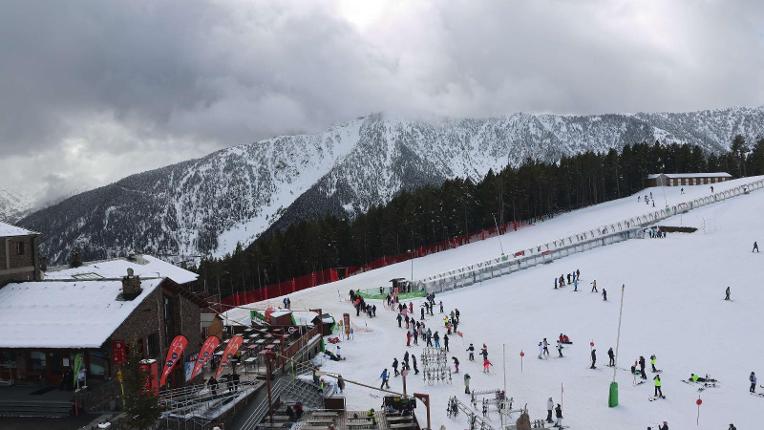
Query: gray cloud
point(92, 91)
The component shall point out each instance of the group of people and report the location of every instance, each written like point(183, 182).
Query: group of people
point(572, 278)
point(361, 306)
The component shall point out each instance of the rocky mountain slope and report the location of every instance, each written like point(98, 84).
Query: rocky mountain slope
point(207, 206)
point(12, 206)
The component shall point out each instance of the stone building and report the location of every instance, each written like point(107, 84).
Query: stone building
point(19, 259)
point(45, 324)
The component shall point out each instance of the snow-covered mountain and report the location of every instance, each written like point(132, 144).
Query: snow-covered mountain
point(208, 205)
point(12, 206)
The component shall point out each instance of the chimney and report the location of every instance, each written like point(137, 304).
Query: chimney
point(131, 285)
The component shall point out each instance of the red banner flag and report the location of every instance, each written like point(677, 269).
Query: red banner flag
point(177, 347)
point(205, 354)
point(233, 346)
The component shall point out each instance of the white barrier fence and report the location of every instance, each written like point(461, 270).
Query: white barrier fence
point(550, 251)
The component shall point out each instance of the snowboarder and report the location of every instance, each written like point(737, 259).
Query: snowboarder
point(445, 342)
point(546, 347)
point(395, 367)
point(752, 379)
point(385, 376)
point(471, 351)
point(755, 247)
point(611, 356)
point(456, 364)
point(594, 359)
point(558, 415)
point(486, 365)
point(549, 408)
point(594, 286)
point(658, 384)
point(653, 360)
point(727, 294)
point(413, 362)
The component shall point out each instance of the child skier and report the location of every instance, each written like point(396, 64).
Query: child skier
point(653, 360)
point(658, 384)
point(471, 351)
point(486, 365)
point(594, 359)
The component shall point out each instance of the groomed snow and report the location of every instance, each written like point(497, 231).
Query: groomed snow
point(673, 309)
point(79, 314)
point(145, 266)
point(8, 230)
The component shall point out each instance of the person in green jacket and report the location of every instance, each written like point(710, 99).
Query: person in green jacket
point(653, 360)
point(658, 384)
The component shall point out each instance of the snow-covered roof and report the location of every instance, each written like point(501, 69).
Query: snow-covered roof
point(74, 314)
point(144, 266)
point(690, 175)
point(7, 230)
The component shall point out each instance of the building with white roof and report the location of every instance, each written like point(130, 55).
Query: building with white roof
point(19, 259)
point(680, 179)
point(145, 266)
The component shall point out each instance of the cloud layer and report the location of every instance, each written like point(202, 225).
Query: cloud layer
point(92, 91)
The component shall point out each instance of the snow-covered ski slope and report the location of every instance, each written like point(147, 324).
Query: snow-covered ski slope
point(673, 309)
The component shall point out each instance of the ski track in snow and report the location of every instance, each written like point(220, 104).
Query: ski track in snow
point(673, 309)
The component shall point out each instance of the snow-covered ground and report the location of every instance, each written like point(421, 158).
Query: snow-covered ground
point(673, 309)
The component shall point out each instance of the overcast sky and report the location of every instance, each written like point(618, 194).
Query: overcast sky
point(91, 91)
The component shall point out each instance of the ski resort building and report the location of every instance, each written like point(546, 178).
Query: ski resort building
point(683, 179)
point(19, 259)
point(47, 328)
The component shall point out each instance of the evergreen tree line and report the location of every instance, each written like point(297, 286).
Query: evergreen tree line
point(458, 207)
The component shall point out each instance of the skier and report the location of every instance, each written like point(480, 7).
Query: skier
point(555, 282)
point(594, 286)
point(421, 313)
point(653, 360)
point(755, 247)
point(395, 366)
point(486, 365)
point(604, 295)
point(471, 351)
point(558, 415)
point(642, 366)
point(611, 356)
point(436, 339)
point(445, 342)
point(568, 278)
point(549, 408)
point(752, 379)
point(727, 294)
point(578, 273)
point(559, 348)
point(546, 347)
point(456, 314)
point(575, 284)
point(664, 426)
point(484, 352)
point(385, 376)
point(541, 350)
point(466, 383)
point(441, 306)
point(400, 320)
point(456, 364)
point(732, 427)
point(658, 390)
point(594, 359)
point(413, 362)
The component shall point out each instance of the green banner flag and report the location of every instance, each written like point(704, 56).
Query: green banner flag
point(78, 359)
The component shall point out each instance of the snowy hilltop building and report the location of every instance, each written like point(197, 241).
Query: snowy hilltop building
point(19, 259)
point(684, 179)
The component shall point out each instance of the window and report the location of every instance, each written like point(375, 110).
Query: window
point(98, 364)
point(153, 345)
point(20, 248)
point(37, 360)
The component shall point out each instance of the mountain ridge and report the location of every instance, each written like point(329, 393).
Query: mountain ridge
point(208, 205)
